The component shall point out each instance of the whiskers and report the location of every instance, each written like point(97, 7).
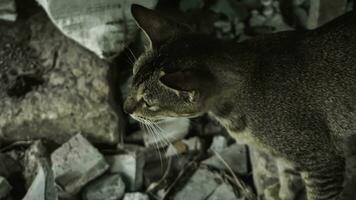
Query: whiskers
point(155, 131)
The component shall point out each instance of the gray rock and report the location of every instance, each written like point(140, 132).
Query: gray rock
point(8, 10)
point(223, 192)
point(130, 167)
point(219, 144)
point(184, 146)
point(38, 173)
point(234, 156)
point(5, 188)
point(136, 196)
point(108, 187)
point(76, 163)
point(323, 11)
point(104, 27)
point(200, 186)
point(43, 186)
point(55, 93)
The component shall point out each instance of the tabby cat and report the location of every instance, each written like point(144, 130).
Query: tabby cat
point(291, 93)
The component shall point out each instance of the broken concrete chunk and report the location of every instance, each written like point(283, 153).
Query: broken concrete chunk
point(76, 163)
point(62, 91)
point(323, 11)
point(200, 186)
point(136, 196)
point(5, 188)
point(219, 144)
point(184, 146)
point(225, 192)
point(35, 157)
point(43, 186)
point(235, 156)
point(104, 27)
point(8, 10)
point(130, 167)
point(168, 131)
point(108, 187)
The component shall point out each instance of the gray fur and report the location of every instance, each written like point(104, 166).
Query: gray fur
point(291, 93)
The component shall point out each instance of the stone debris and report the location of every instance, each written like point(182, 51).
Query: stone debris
point(104, 27)
point(130, 167)
point(219, 144)
point(43, 186)
point(235, 156)
point(168, 131)
point(323, 11)
point(76, 163)
point(38, 173)
point(184, 146)
point(63, 88)
point(108, 187)
point(8, 10)
point(5, 188)
point(136, 196)
point(223, 192)
point(200, 186)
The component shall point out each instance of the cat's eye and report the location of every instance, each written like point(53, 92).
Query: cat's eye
point(150, 106)
point(146, 103)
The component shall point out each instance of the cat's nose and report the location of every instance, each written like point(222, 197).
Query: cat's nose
point(129, 108)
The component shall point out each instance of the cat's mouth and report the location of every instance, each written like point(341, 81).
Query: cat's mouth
point(146, 120)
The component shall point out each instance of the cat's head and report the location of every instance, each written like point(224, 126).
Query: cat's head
point(169, 79)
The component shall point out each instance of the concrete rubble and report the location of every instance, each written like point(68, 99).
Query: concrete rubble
point(235, 157)
point(184, 146)
point(224, 191)
point(108, 187)
point(130, 167)
point(8, 10)
point(200, 186)
point(39, 174)
point(323, 11)
point(219, 144)
point(136, 196)
point(75, 164)
point(104, 27)
point(63, 88)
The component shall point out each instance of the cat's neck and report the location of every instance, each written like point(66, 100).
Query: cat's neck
point(234, 64)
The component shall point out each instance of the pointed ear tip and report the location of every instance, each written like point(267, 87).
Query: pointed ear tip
point(135, 8)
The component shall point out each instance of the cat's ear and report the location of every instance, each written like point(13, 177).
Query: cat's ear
point(187, 82)
point(157, 28)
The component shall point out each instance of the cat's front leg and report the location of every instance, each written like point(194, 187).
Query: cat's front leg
point(324, 179)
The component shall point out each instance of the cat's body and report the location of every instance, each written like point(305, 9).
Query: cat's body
point(292, 93)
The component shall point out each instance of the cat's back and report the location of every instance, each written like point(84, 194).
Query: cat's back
point(313, 71)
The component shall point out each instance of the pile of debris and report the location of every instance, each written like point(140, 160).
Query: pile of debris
point(78, 170)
